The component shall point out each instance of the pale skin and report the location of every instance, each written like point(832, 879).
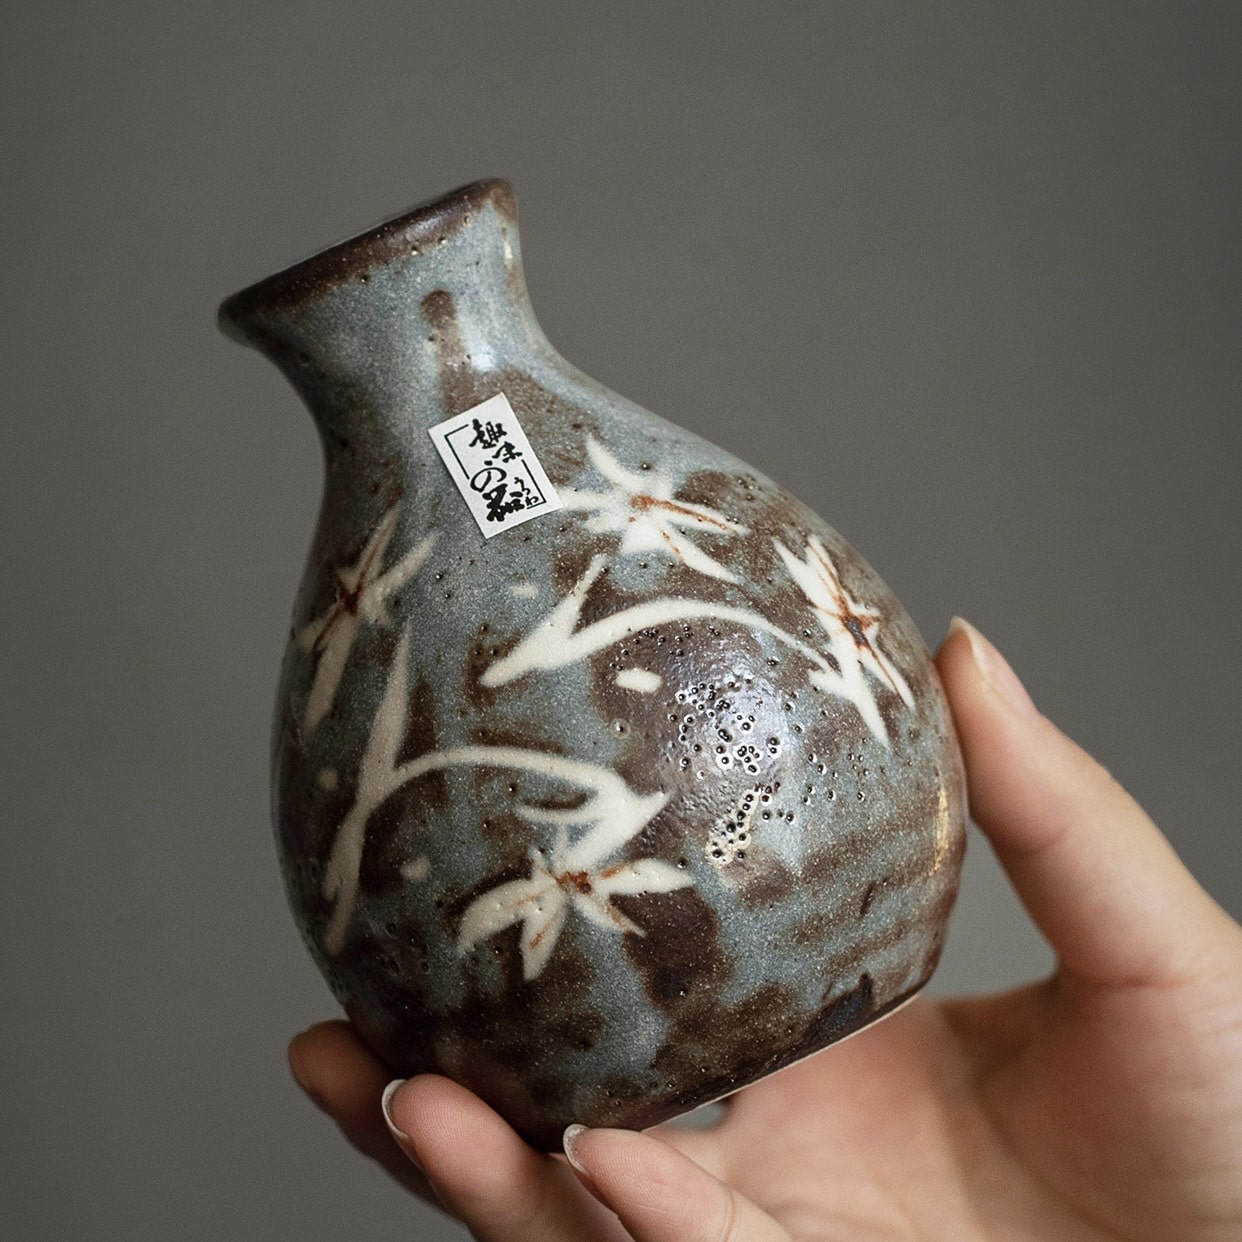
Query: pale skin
point(1102, 1103)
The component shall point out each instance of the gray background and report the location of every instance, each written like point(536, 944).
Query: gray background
point(963, 276)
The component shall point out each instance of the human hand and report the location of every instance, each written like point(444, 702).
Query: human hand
point(1105, 1102)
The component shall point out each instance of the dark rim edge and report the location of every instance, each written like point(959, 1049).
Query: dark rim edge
point(425, 223)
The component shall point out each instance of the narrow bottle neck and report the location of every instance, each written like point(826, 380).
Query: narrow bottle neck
point(401, 327)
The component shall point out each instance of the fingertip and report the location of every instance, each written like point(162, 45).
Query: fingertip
point(448, 1130)
point(343, 1077)
point(429, 1106)
point(483, 1171)
point(624, 1160)
point(1013, 754)
point(956, 640)
point(967, 653)
point(346, 1080)
point(324, 1057)
point(301, 1049)
point(657, 1191)
point(301, 1066)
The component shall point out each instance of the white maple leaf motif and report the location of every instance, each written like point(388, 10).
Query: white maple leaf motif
point(361, 595)
point(574, 879)
point(642, 509)
point(558, 640)
point(852, 628)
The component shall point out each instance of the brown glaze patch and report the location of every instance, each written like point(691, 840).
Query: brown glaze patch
point(485, 735)
point(421, 738)
point(752, 1039)
point(720, 1048)
point(516, 869)
point(679, 956)
point(510, 1047)
point(867, 898)
point(394, 827)
point(459, 381)
point(558, 428)
point(841, 1015)
point(479, 657)
point(761, 879)
point(725, 493)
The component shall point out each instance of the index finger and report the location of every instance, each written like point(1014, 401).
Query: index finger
point(1096, 875)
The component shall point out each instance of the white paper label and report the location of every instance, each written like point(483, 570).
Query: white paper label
point(490, 459)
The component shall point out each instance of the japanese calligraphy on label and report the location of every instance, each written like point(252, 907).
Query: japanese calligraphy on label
point(495, 468)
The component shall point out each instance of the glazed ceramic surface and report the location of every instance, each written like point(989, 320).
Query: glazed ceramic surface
point(629, 803)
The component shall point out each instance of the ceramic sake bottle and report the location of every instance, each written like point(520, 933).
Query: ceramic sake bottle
point(607, 777)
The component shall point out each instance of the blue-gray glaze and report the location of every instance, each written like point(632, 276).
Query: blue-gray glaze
point(777, 807)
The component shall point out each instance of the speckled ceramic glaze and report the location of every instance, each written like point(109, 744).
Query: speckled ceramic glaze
point(626, 806)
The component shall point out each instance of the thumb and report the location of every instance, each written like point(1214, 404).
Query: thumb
point(1094, 872)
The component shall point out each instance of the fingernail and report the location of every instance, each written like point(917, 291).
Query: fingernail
point(995, 669)
point(386, 1104)
point(568, 1140)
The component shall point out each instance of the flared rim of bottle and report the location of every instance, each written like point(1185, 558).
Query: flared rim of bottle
point(406, 235)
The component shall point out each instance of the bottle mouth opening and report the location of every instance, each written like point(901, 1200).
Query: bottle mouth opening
point(408, 234)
